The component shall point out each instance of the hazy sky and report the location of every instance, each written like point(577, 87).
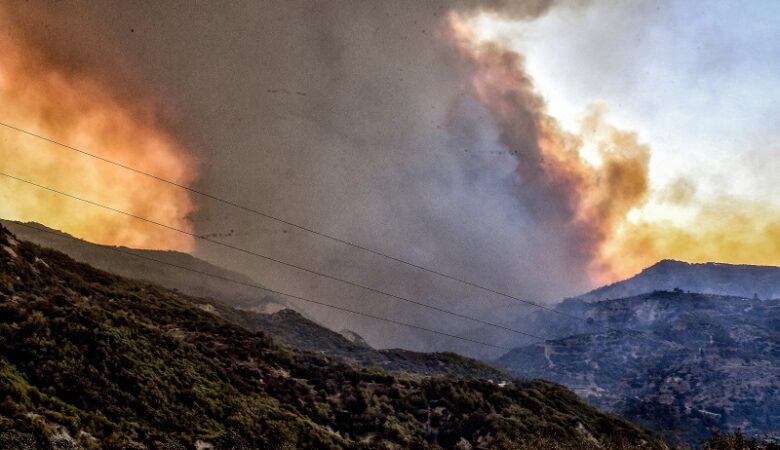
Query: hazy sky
point(539, 147)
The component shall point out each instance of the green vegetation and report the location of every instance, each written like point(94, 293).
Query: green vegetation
point(91, 360)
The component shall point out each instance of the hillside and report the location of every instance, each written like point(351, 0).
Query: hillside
point(679, 363)
point(291, 328)
point(223, 298)
point(707, 278)
point(92, 360)
point(137, 264)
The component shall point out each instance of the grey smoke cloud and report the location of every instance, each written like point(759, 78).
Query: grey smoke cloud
point(352, 117)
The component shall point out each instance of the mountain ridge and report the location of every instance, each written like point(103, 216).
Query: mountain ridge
point(741, 280)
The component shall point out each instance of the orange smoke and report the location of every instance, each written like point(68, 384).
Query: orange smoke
point(585, 201)
point(81, 111)
point(723, 230)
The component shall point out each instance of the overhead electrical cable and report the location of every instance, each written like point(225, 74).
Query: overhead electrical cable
point(272, 259)
point(276, 218)
point(310, 230)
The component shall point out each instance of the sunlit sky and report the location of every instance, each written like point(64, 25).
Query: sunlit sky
point(697, 80)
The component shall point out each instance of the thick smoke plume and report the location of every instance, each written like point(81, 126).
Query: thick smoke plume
point(78, 109)
point(352, 117)
point(586, 202)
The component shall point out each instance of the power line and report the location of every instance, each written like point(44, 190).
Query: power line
point(304, 269)
point(90, 202)
point(636, 334)
point(307, 229)
point(287, 222)
point(317, 233)
point(301, 268)
point(312, 231)
point(276, 260)
point(273, 291)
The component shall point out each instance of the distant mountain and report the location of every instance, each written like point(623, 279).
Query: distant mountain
point(92, 360)
point(761, 282)
point(707, 278)
point(137, 267)
point(679, 363)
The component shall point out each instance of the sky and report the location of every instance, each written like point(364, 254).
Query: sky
point(540, 148)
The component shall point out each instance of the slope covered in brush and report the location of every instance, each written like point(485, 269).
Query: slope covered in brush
point(239, 303)
point(92, 360)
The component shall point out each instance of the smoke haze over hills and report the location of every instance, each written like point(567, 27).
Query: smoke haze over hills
point(370, 120)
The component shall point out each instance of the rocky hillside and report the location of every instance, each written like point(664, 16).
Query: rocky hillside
point(708, 278)
point(676, 362)
point(92, 360)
